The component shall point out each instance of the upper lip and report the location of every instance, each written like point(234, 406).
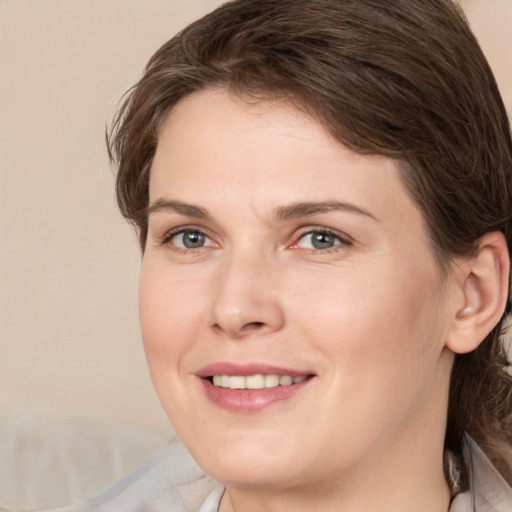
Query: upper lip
point(227, 368)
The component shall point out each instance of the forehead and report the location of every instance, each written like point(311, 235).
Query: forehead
point(216, 148)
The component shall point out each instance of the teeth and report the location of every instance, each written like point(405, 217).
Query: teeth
point(255, 381)
point(285, 380)
point(237, 382)
point(271, 381)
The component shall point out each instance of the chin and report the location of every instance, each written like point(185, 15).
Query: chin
point(246, 460)
point(241, 472)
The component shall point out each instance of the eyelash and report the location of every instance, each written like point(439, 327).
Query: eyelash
point(166, 239)
point(343, 240)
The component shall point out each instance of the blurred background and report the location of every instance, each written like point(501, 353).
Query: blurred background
point(69, 332)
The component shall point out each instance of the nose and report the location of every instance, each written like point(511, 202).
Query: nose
point(247, 299)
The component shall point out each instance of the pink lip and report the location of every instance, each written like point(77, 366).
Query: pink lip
point(225, 368)
point(248, 400)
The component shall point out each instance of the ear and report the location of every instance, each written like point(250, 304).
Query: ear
point(483, 279)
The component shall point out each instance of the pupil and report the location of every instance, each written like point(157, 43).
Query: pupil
point(322, 240)
point(193, 239)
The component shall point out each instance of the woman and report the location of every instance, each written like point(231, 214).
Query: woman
point(322, 191)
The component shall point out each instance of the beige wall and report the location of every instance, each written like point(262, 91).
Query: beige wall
point(491, 21)
point(68, 264)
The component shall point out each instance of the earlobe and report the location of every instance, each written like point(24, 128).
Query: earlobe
point(484, 286)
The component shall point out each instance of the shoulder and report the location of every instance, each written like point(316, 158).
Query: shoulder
point(489, 491)
point(171, 480)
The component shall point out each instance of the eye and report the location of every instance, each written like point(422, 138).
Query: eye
point(319, 240)
point(188, 239)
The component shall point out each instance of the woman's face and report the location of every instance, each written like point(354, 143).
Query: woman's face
point(277, 257)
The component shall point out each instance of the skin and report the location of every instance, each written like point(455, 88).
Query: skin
point(371, 317)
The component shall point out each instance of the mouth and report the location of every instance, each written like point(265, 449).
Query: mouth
point(258, 381)
point(249, 388)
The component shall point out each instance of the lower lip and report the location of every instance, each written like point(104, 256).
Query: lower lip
point(250, 400)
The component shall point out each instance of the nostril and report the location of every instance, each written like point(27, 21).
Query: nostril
point(250, 326)
point(253, 325)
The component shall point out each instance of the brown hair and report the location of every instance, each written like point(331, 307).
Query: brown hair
point(400, 78)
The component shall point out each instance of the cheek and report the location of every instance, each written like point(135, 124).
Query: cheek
point(386, 322)
point(169, 310)
point(170, 317)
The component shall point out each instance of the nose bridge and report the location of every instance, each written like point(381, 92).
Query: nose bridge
point(246, 299)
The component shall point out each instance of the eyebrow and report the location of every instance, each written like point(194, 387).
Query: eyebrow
point(292, 211)
point(306, 209)
point(166, 205)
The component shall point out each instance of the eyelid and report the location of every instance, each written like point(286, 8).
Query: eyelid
point(343, 238)
point(171, 233)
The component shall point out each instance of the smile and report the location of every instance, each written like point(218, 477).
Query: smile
point(249, 388)
point(258, 381)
